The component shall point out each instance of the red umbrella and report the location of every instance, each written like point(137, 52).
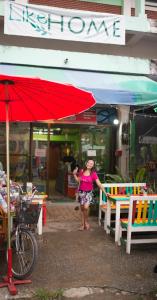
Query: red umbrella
point(34, 99)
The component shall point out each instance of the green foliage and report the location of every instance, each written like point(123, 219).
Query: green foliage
point(141, 175)
point(111, 178)
point(43, 294)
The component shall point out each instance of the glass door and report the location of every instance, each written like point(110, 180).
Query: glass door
point(63, 153)
point(39, 154)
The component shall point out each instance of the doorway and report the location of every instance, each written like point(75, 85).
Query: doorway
point(54, 149)
point(55, 157)
point(61, 157)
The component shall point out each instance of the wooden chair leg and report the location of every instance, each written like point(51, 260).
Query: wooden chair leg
point(128, 242)
point(105, 221)
point(119, 235)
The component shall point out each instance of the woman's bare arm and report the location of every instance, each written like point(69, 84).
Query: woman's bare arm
point(75, 175)
point(99, 184)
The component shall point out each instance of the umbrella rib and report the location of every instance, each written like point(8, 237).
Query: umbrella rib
point(64, 95)
point(58, 86)
point(56, 93)
point(37, 92)
point(38, 102)
point(20, 97)
point(58, 103)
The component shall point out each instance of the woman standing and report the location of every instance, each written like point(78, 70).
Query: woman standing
point(85, 179)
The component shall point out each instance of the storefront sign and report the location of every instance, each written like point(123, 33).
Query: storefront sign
point(87, 117)
point(40, 152)
point(63, 24)
point(91, 152)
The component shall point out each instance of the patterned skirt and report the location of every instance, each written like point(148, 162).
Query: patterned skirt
point(85, 197)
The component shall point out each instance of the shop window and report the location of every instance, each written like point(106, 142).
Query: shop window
point(95, 145)
point(19, 150)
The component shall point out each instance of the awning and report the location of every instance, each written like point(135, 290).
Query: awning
point(107, 88)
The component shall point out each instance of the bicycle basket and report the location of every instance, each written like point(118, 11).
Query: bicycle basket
point(29, 214)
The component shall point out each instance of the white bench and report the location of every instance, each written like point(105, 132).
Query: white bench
point(142, 218)
point(115, 189)
point(40, 199)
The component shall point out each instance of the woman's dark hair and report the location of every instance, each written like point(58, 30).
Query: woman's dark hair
point(85, 168)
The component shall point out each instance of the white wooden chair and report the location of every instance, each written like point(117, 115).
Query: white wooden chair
point(142, 218)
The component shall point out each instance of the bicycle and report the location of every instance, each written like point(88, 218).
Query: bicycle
point(23, 242)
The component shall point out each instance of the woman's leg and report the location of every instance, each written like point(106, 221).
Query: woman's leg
point(82, 217)
point(86, 209)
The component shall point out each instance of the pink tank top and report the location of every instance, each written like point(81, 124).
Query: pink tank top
point(86, 182)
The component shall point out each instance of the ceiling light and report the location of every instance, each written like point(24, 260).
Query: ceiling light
point(115, 121)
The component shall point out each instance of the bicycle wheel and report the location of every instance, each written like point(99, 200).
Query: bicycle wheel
point(24, 253)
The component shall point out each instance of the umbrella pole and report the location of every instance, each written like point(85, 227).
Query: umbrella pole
point(8, 280)
point(8, 195)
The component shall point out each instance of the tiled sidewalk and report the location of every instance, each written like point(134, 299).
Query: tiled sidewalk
point(59, 212)
point(69, 259)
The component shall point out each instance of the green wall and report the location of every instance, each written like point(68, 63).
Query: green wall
point(55, 138)
point(110, 2)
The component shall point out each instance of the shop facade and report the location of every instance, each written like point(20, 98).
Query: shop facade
point(116, 73)
point(46, 153)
